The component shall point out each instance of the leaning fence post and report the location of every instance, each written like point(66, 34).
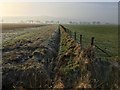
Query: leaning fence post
point(81, 39)
point(75, 36)
point(92, 41)
point(59, 27)
point(65, 29)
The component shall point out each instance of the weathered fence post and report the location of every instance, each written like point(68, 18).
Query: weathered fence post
point(80, 39)
point(75, 36)
point(59, 29)
point(92, 41)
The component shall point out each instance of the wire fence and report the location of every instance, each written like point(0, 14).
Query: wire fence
point(79, 39)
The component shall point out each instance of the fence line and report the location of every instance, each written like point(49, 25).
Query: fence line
point(81, 40)
point(102, 50)
point(74, 36)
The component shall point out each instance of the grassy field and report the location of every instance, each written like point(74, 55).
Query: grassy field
point(42, 57)
point(24, 40)
point(106, 36)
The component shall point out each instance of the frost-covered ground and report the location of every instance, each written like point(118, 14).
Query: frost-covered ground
point(20, 43)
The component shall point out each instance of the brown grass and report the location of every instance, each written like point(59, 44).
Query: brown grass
point(9, 26)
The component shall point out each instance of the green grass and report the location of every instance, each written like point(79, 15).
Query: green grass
point(106, 36)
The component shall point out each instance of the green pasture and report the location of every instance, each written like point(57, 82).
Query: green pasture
point(106, 36)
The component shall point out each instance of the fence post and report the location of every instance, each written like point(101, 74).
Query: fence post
point(65, 29)
point(59, 27)
point(75, 36)
point(81, 39)
point(92, 41)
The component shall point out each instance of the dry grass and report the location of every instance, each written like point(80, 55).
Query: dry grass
point(75, 67)
point(9, 26)
point(80, 68)
point(29, 73)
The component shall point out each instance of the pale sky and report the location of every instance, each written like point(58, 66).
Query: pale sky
point(59, 0)
point(88, 11)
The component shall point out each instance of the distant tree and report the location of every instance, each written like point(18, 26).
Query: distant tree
point(37, 21)
point(30, 21)
point(98, 22)
point(107, 23)
point(88, 23)
point(70, 22)
point(80, 22)
point(94, 22)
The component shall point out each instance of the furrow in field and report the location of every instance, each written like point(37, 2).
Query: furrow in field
point(19, 48)
point(37, 71)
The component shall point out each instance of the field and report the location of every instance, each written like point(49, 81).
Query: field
point(9, 26)
point(106, 36)
point(46, 57)
point(23, 40)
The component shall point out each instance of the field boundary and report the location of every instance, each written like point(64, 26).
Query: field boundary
point(92, 44)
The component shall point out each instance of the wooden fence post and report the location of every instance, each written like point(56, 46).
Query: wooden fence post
point(92, 41)
point(75, 36)
point(59, 27)
point(81, 39)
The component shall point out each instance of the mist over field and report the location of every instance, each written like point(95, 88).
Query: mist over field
point(59, 45)
point(105, 12)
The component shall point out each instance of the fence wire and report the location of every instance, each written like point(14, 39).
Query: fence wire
point(77, 38)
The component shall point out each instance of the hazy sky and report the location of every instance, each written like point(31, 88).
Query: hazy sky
point(87, 11)
point(61, 0)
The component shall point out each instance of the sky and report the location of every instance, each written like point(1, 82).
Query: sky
point(85, 11)
point(60, 0)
